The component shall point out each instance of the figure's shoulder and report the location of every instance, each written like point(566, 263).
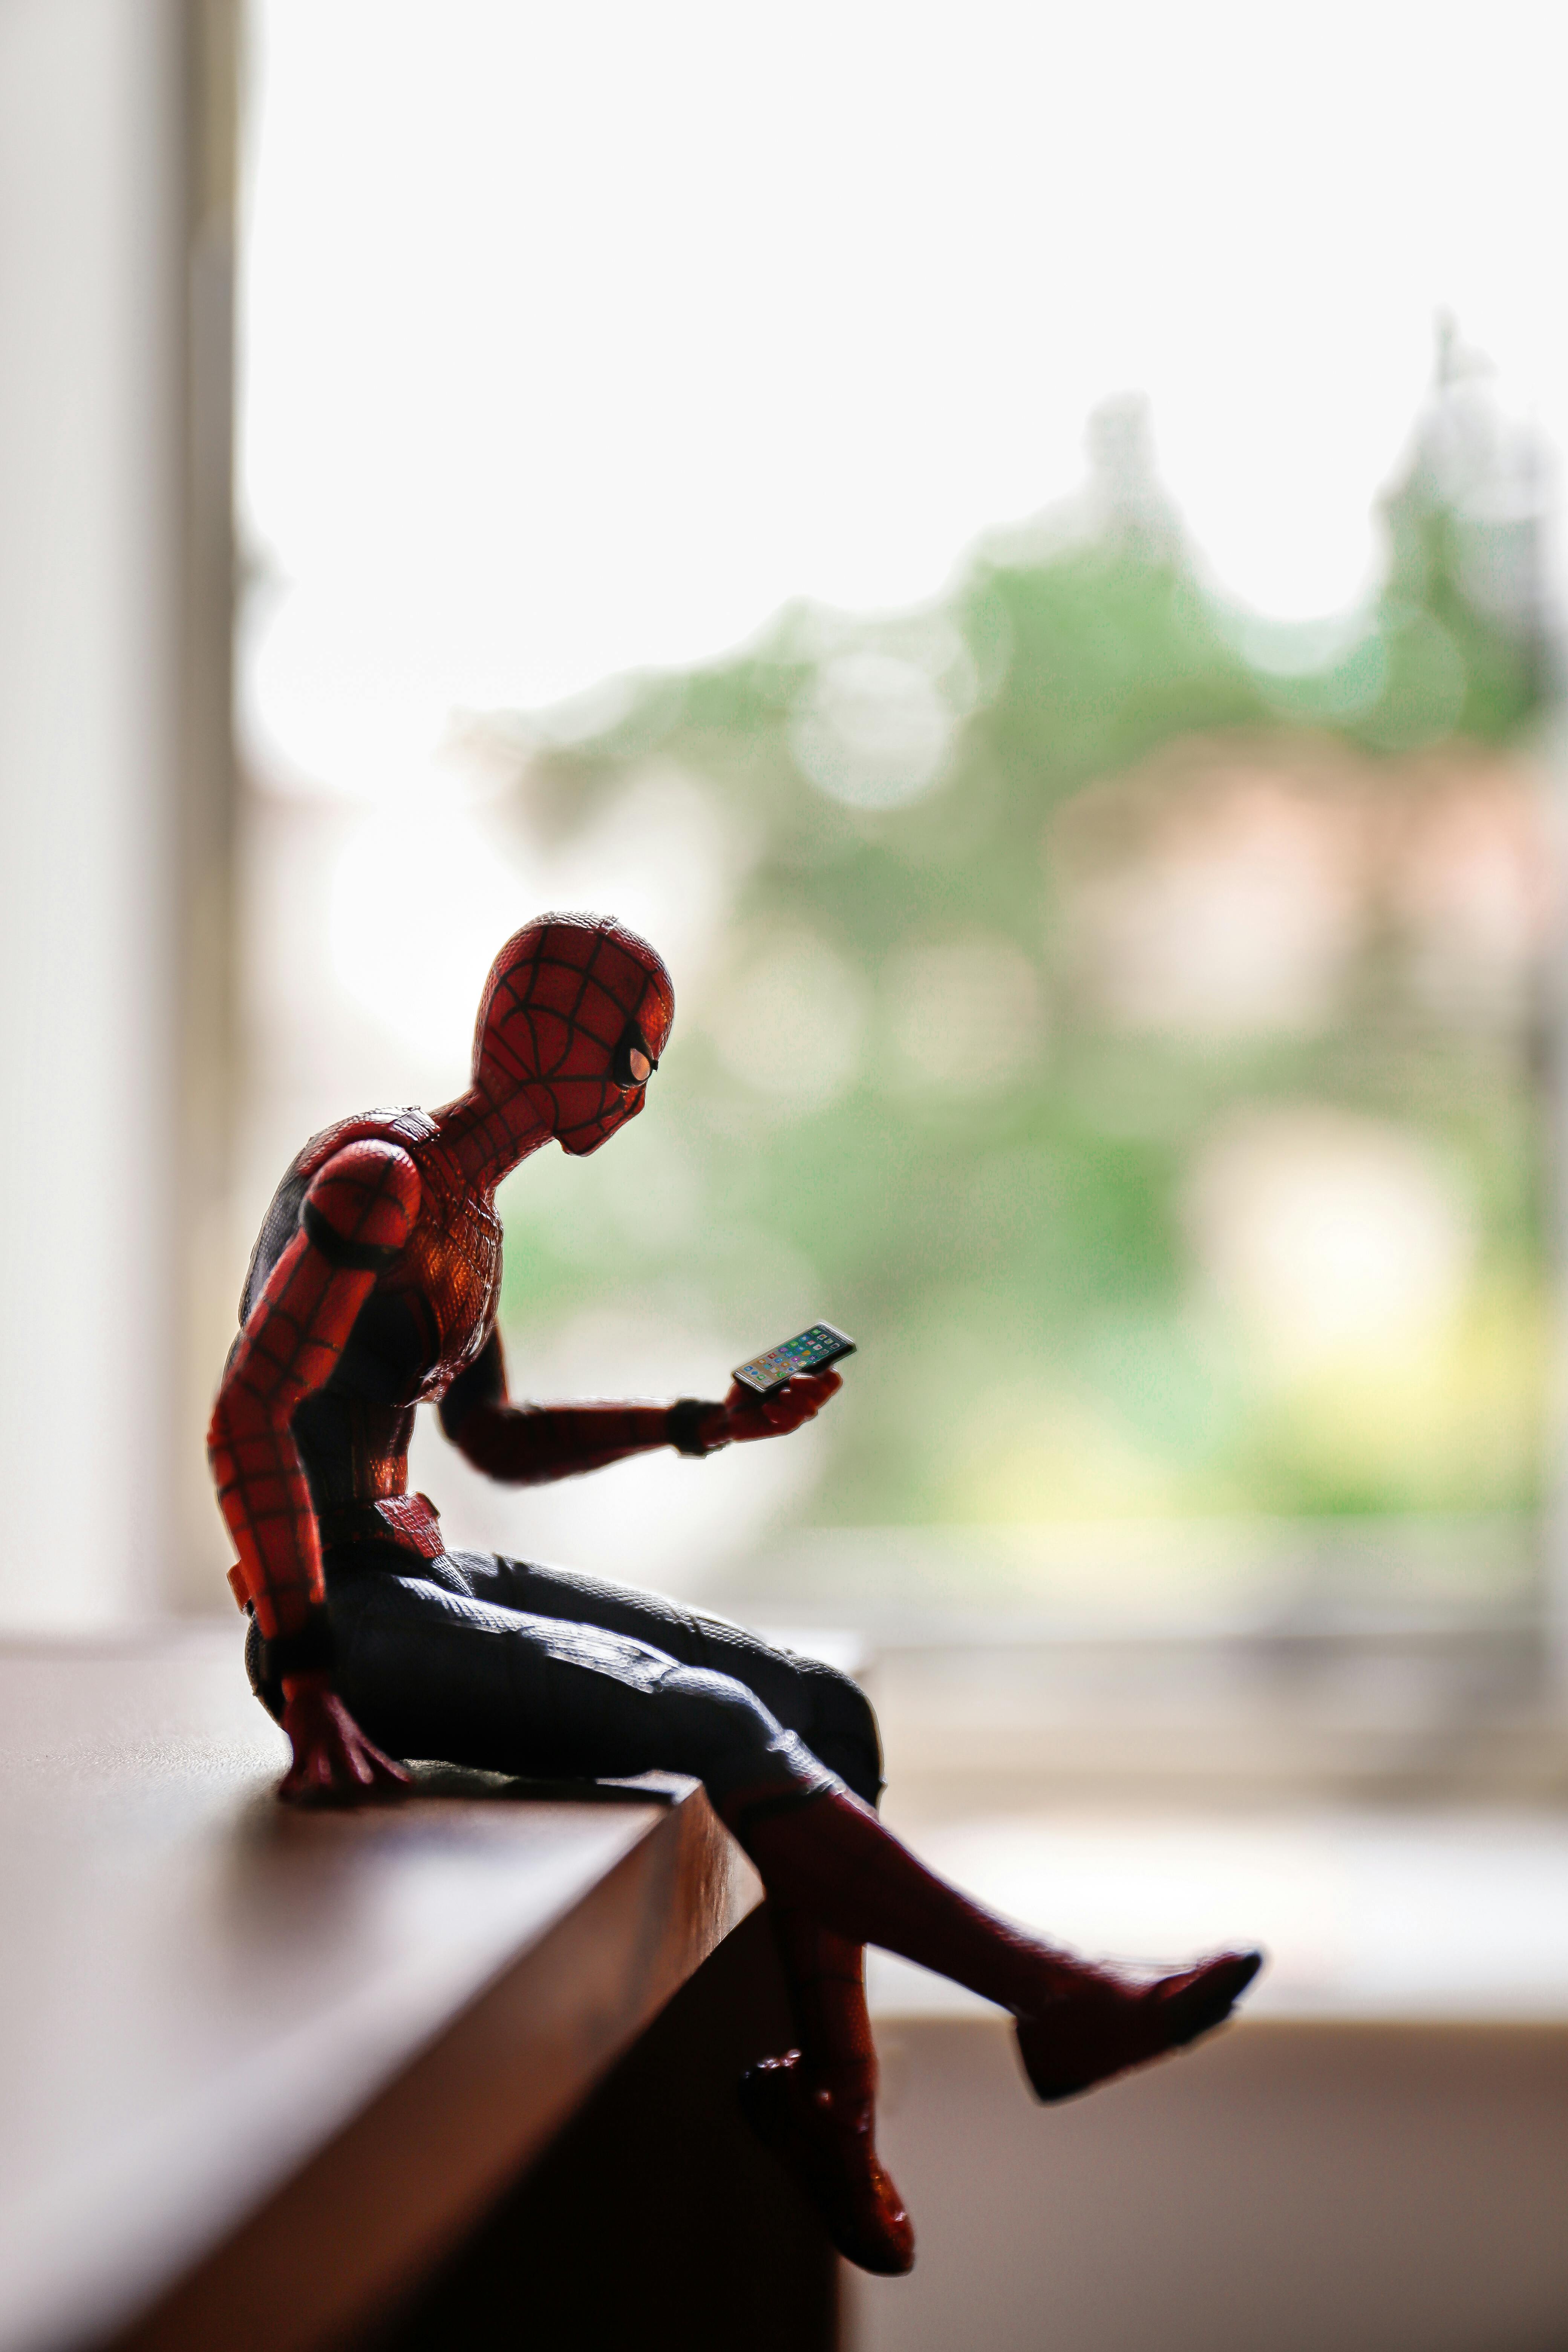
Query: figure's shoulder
point(407, 1128)
point(393, 1136)
point(361, 1203)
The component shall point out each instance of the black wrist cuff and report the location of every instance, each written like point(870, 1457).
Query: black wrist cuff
point(311, 1650)
point(680, 1425)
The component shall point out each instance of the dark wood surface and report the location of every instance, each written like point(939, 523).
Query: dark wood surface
point(654, 2221)
point(263, 2069)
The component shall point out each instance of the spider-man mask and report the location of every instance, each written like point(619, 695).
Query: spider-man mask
point(575, 1013)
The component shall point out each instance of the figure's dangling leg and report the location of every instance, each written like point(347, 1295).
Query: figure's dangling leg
point(815, 2106)
point(1077, 2024)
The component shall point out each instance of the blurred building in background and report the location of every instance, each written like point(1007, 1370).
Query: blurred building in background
point(1132, 1019)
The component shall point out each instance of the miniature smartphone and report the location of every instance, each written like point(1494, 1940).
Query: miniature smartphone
point(808, 1351)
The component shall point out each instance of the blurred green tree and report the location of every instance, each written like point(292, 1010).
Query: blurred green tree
point(1080, 927)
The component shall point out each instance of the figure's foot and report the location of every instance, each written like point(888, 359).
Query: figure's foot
point(825, 2140)
point(1101, 2026)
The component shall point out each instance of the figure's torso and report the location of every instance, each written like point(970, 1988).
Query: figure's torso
point(425, 1320)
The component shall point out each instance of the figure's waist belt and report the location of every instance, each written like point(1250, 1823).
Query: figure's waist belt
point(411, 1521)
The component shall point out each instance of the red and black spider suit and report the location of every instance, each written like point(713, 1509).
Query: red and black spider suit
point(374, 1288)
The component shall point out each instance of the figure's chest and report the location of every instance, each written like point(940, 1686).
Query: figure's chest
point(451, 1267)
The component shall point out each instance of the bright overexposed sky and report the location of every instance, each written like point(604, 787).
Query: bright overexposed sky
point(580, 339)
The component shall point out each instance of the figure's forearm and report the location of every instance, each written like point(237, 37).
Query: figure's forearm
point(267, 1505)
point(528, 1445)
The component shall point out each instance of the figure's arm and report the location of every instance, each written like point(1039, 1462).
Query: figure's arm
point(357, 1214)
point(526, 1445)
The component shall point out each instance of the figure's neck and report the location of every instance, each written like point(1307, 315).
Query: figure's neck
point(485, 1141)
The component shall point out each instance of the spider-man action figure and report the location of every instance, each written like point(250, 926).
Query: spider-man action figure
point(373, 1288)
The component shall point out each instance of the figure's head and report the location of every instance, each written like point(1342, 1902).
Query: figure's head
point(575, 1015)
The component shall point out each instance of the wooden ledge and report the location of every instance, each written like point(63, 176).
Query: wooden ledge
point(263, 2067)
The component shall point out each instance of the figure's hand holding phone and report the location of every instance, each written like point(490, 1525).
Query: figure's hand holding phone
point(778, 1391)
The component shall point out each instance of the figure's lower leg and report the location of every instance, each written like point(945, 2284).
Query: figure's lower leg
point(830, 1856)
point(826, 1973)
point(815, 2106)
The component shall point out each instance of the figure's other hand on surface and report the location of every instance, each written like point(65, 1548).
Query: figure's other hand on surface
point(745, 1415)
point(334, 1763)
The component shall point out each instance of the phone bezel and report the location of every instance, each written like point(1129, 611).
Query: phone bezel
point(843, 1345)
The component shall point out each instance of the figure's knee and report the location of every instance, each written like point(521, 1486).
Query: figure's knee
point(844, 1730)
point(718, 1728)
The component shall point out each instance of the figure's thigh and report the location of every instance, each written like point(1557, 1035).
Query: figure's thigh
point(825, 1708)
point(432, 1673)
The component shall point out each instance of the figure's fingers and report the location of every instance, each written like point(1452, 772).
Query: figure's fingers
point(802, 1399)
point(323, 1792)
point(344, 1784)
point(748, 1415)
point(385, 1783)
point(300, 1785)
point(807, 1394)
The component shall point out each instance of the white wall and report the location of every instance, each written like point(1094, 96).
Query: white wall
point(1365, 2184)
point(91, 296)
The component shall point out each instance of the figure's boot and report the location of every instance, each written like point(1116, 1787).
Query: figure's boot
point(815, 2106)
point(1107, 2023)
point(1077, 2024)
point(825, 2140)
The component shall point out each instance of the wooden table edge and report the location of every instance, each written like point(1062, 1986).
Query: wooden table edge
point(376, 2206)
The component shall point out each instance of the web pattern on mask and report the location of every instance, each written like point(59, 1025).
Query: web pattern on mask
point(558, 1003)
